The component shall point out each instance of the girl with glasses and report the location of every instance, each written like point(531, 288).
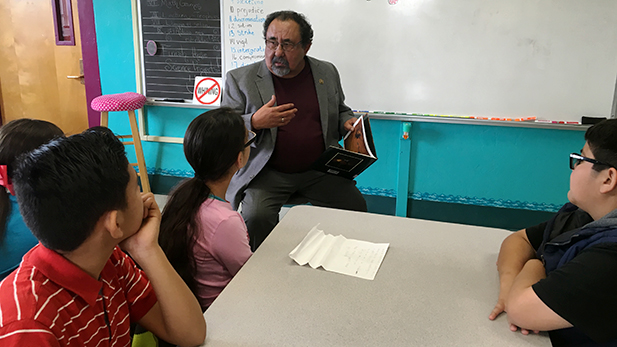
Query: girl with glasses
point(204, 238)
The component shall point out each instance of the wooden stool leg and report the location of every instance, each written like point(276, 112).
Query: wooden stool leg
point(104, 119)
point(139, 153)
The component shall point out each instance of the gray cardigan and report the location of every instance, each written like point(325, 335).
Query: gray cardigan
point(248, 88)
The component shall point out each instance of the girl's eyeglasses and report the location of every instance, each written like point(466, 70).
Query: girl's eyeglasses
point(251, 138)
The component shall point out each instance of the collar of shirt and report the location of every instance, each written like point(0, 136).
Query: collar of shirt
point(65, 274)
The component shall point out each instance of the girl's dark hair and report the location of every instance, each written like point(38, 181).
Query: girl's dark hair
point(16, 138)
point(212, 143)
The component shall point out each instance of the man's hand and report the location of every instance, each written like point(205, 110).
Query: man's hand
point(270, 116)
point(349, 124)
point(148, 233)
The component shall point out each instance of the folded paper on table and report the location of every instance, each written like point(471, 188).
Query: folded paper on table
point(339, 254)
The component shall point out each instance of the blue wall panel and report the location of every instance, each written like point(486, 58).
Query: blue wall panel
point(493, 163)
point(114, 36)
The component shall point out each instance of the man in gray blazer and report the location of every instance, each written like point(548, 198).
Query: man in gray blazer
point(295, 104)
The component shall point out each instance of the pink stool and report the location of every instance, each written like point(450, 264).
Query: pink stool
point(126, 102)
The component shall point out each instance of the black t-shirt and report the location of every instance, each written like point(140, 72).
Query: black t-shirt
point(583, 291)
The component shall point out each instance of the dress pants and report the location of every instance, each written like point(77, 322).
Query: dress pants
point(271, 189)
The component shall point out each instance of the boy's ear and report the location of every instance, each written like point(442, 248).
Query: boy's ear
point(112, 224)
point(610, 181)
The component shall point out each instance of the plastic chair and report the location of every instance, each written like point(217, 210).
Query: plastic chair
point(130, 102)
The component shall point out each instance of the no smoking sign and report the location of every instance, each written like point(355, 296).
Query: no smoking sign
point(207, 91)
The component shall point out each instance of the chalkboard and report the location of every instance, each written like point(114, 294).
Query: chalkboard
point(553, 59)
point(180, 40)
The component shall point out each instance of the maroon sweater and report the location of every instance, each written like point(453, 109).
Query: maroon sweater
point(300, 142)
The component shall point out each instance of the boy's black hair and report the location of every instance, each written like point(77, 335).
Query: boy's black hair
point(66, 186)
point(602, 140)
point(306, 32)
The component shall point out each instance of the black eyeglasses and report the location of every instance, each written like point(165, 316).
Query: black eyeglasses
point(576, 159)
point(285, 46)
point(251, 138)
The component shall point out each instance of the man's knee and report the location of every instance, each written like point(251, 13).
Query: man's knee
point(258, 205)
point(351, 200)
point(356, 203)
point(349, 197)
point(260, 220)
point(258, 212)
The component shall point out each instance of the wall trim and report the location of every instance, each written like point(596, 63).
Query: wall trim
point(420, 196)
point(90, 57)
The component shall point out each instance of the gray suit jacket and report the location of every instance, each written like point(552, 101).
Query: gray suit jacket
point(248, 88)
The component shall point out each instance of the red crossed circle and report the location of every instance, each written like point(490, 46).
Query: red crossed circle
point(205, 93)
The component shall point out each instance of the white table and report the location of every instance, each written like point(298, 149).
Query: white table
point(436, 287)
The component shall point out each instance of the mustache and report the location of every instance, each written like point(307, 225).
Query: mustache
point(280, 60)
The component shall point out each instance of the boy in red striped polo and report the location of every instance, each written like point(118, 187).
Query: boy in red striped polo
point(80, 198)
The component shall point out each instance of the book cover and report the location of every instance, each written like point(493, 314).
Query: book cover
point(357, 156)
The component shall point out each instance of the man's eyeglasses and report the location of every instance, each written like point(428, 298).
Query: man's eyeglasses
point(251, 138)
point(576, 159)
point(285, 46)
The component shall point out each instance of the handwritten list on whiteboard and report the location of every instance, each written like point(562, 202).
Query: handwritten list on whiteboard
point(243, 39)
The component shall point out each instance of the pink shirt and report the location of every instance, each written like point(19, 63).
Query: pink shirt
point(221, 248)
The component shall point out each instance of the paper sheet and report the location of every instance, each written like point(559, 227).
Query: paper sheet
point(338, 254)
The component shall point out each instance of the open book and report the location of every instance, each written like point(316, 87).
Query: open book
point(358, 154)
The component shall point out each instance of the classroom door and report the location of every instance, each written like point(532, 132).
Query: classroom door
point(39, 79)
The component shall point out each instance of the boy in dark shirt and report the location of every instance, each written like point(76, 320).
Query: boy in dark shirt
point(561, 276)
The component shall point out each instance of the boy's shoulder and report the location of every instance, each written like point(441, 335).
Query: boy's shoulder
point(20, 291)
point(29, 303)
point(48, 297)
point(43, 281)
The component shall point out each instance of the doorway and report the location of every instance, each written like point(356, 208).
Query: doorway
point(38, 78)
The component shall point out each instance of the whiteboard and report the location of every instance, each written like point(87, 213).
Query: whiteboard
point(495, 58)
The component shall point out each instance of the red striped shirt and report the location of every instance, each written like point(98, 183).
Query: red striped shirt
point(49, 301)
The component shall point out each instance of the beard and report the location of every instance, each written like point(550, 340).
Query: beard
point(280, 70)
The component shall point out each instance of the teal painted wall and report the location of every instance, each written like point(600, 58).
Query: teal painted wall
point(492, 165)
point(472, 164)
point(114, 36)
point(476, 164)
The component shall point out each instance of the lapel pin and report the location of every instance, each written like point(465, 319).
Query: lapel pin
point(320, 81)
